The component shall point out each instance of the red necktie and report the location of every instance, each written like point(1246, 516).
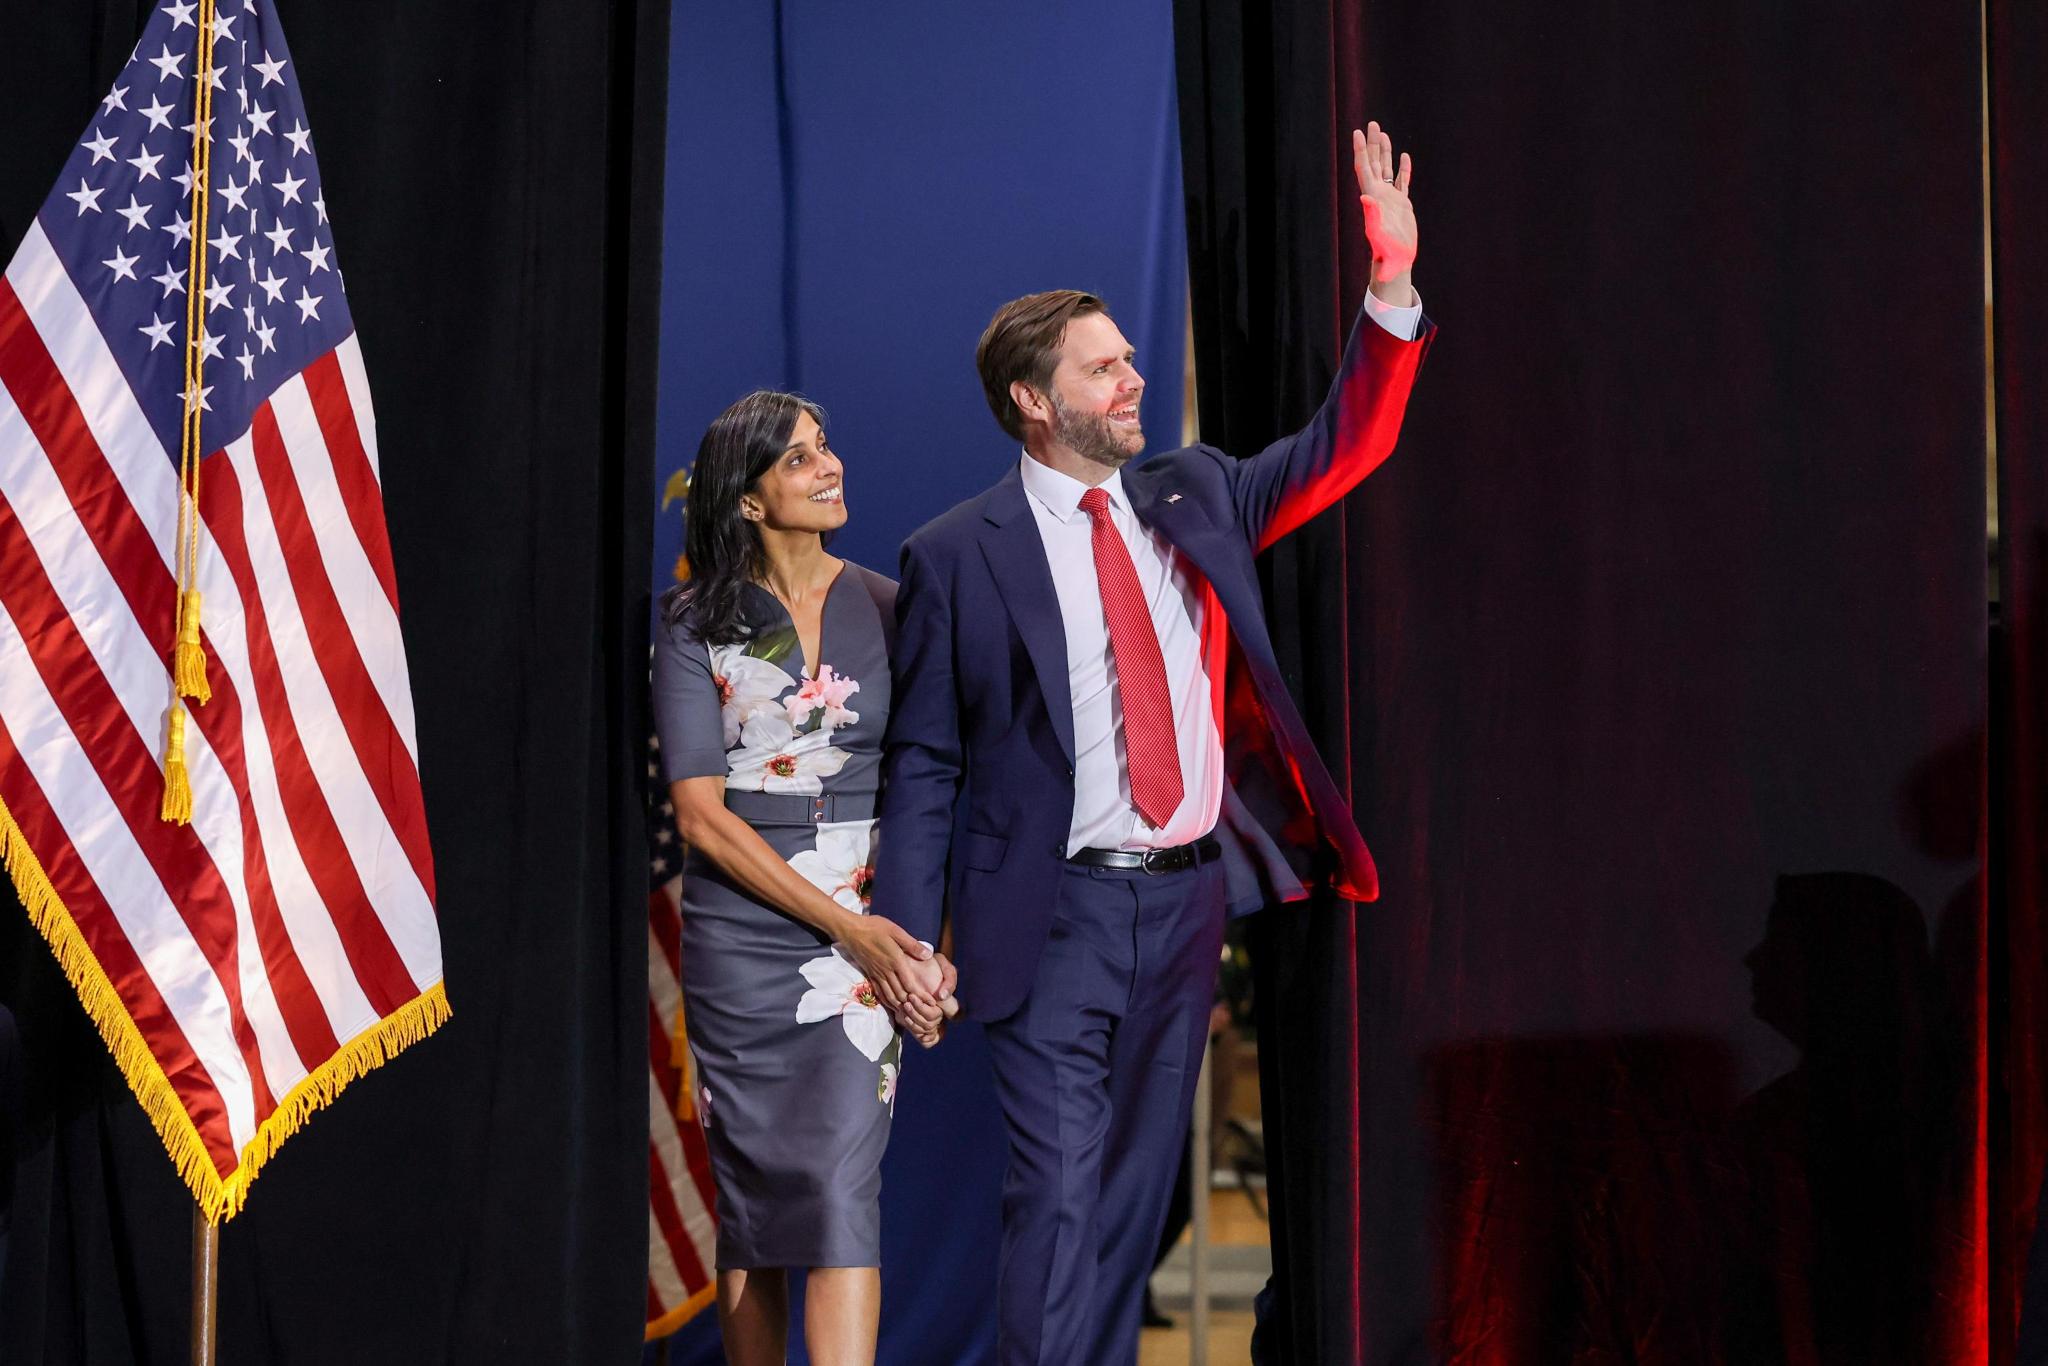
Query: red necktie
point(1149, 746)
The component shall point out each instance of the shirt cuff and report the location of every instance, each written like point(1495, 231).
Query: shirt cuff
point(1402, 322)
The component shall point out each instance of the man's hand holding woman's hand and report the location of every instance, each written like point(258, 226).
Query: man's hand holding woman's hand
point(912, 982)
point(925, 1027)
point(896, 963)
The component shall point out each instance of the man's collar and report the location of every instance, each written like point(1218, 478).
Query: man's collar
point(1060, 494)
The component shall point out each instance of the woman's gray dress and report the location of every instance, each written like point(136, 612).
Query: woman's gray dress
point(795, 1061)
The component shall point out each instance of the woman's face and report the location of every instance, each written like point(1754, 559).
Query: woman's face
point(805, 489)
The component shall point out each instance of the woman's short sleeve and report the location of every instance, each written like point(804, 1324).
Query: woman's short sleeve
point(686, 707)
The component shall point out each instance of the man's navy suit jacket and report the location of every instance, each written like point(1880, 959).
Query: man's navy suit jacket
point(978, 785)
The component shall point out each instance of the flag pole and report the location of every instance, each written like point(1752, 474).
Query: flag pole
point(188, 665)
point(205, 1285)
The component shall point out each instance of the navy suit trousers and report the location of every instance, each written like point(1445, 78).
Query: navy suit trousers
point(1096, 1073)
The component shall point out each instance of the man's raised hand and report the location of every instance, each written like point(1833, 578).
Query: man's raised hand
point(1389, 215)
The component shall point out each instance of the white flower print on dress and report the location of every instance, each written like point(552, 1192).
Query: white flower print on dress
point(837, 988)
point(885, 1090)
point(843, 864)
point(746, 686)
point(774, 758)
point(824, 696)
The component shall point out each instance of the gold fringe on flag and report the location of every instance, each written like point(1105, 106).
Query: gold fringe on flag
point(219, 1197)
point(682, 1313)
point(679, 1056)
point(686, 1077)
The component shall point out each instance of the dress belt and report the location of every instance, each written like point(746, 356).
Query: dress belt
point(1173, 860)
point(794, 808)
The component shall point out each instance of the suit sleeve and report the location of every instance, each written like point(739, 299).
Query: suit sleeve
point(922, 764)
point(1300, 475)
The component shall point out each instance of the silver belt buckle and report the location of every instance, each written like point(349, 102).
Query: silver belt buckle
point(1155, 861)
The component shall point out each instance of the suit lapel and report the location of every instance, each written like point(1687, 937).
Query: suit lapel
point(1016, 557)
point(1183, 524)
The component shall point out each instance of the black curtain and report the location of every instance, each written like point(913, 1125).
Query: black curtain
point(494, 177)
point(1275, 271)
point(1654, 661)
point(2017, 49)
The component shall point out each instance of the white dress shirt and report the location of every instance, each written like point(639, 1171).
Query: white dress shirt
point(1103, 815)
point(1174, 592)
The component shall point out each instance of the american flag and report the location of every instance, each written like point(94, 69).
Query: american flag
point(246, 966)
point(682, 1230)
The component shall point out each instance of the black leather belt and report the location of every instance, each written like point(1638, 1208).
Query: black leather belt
point(1174, 860)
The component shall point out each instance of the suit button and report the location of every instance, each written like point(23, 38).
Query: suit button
point(1059, 851)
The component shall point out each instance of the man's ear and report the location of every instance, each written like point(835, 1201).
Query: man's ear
point(1031, 405)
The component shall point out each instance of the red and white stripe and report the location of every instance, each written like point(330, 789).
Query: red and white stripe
point(296, 911)
point(682, 1230)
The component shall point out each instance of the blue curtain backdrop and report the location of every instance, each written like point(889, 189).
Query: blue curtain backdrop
point(851, 192)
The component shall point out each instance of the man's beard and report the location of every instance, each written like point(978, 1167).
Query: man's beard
point(1092, 437)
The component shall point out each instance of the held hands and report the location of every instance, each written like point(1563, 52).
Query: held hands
point(897, 965)
point(1389, 216)
point(925, 1030)
point(912, 982)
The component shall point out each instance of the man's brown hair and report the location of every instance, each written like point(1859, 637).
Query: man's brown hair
point(1022, 342)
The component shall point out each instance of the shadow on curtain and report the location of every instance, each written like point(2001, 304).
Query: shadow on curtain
point(1655, 661)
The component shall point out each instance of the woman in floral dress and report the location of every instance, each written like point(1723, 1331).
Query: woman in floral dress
point(771, 692)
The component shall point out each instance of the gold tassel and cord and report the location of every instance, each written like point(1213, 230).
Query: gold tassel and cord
point(188, 655)
point(177, 806)
point(188, 661)
point(219, 1197)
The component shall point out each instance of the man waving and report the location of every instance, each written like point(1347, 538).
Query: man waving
point(1093, 755)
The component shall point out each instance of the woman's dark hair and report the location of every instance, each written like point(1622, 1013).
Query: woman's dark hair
point(723, 548)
